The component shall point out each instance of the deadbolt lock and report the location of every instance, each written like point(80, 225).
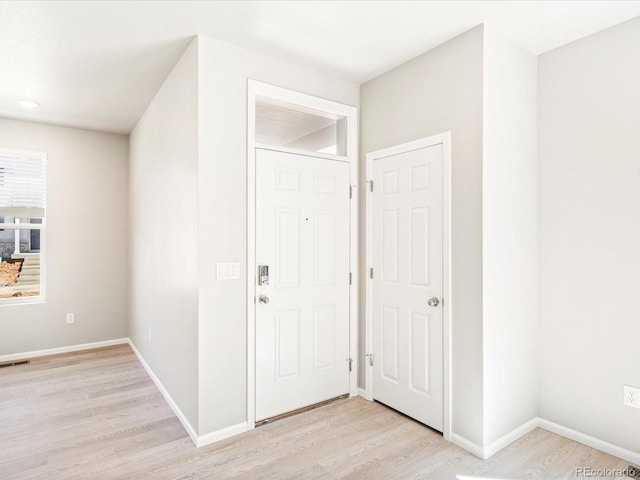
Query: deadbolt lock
point(263, 275)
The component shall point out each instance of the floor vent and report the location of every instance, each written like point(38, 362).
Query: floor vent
point(633, 471)
point(13, 364)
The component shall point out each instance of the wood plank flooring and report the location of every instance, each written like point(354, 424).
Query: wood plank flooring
point(97, 415)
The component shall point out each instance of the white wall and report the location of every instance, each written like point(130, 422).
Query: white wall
point(438, 91)
point(224, 71)
point(189, 211)
point(86, 239)
point(589, 233)
point(163, 234)
point(509, 203)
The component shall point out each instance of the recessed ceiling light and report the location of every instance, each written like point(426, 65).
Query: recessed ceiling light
point(28, 104)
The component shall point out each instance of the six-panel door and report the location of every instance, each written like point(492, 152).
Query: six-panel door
point(407, 273)
point(302, 234)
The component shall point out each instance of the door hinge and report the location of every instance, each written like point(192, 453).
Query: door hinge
point(350, 360)
point(370, 182)
point(350, 191)
point(350, 278)
point(370, 357)
point(371, 272)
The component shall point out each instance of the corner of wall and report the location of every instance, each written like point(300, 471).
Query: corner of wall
point(438, 91)
point(588, 194)
point(509, 215)
point(162, 287)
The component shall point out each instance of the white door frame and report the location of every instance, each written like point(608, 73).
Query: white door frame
point(255, 89)
point(443, 139)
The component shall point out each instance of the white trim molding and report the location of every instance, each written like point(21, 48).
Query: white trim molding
point(172, 404)
point(443, 139)
point(56, 351)
point(198, 440)
point(494, 447)
point(363, 393)
point(510, 437)
point(588, 440)
point(485, 452)
point(217, 435)
point(467, 445)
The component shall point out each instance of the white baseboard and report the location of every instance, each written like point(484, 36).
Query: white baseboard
point(509, 438)
point(172, 404)
point(198, 440)
point(221, 434)
point(495, 447)
point(487, 451)
point(590, 441)
point(363, 393)
point(54, 351)
point(467, 445)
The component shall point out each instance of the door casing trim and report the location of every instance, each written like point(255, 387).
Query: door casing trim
point(255, 89)
point(443, 139)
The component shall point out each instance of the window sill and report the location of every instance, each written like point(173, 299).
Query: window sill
point(12, 302)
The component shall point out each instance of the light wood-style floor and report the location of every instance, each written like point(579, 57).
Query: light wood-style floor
point(97, 415)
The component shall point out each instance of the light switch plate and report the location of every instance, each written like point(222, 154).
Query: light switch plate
point(228, 270)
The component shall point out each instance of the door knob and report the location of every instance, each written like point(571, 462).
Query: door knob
point(263, 299)
point(433, 302)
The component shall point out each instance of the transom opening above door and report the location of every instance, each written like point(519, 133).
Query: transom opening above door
point(284, 124)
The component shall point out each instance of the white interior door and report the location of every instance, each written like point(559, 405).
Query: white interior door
point(407, 285)
point(302, 235)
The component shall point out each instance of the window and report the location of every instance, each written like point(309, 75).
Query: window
point(288, 125)
point(22, 226)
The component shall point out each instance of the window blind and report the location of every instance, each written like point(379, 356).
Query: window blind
point(22, 185)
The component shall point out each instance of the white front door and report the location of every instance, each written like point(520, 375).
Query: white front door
point(302, 314)
point(407, 285)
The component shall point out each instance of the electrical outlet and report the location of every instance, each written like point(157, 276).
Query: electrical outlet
point(632, 396)
point(71, 318)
